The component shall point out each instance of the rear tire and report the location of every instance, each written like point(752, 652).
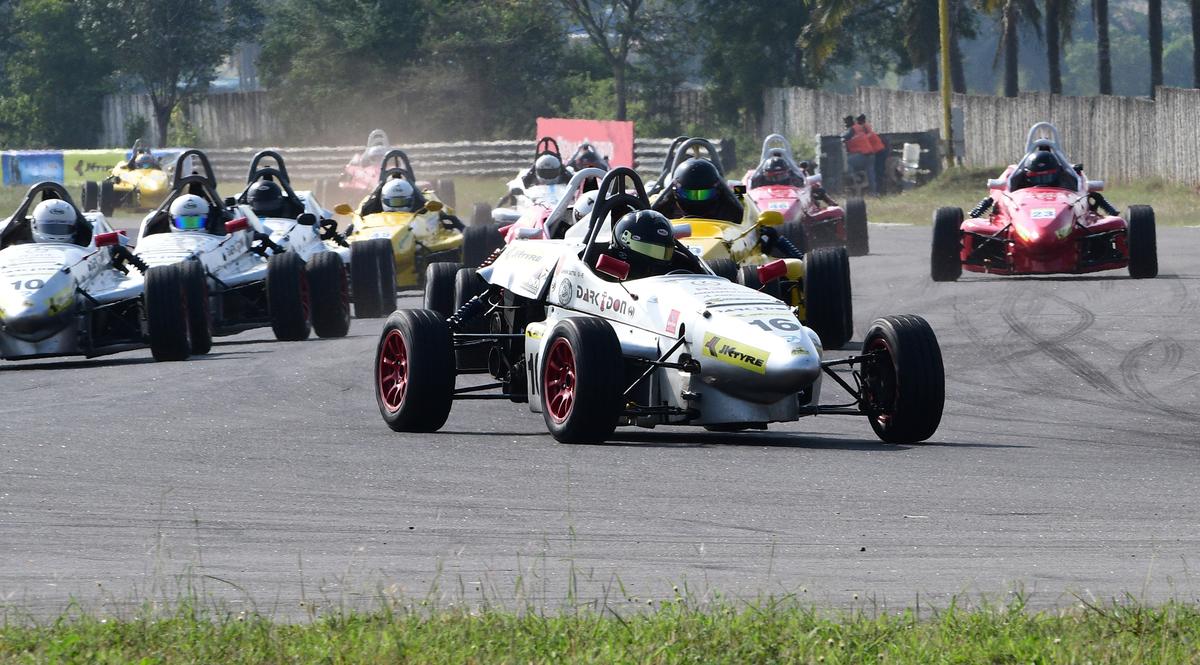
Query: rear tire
point(908, 382)
point(1143, 243)
point(288, 297)
point(200, 326)
point(439, 287)
point(373, 278)
point(748, 277)
point(857, 240)
point(581, 376)
point(414, 371)
point(479, 242)
point(167, 313)
point(945, 261)
point(794, 231)
point(108, 199)
point(724, 268)
point(481, 214)
point(330, 292)
point(91, 196)
point(467, 285)
point(828, 308)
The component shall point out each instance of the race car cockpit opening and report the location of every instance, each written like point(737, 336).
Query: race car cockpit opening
point(697, 191)
point(777, 169)
point(1043, 167)
point(19, 229)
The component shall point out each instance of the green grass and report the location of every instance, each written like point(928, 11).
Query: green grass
point(769, 630)
point(1174, 205)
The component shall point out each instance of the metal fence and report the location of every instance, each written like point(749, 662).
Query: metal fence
point(1116, 138)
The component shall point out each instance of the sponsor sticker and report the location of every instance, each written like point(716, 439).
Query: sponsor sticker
point(566, 290)
point(1042, 213)
point(779, 205)
point(735, 353)
point(672, 321)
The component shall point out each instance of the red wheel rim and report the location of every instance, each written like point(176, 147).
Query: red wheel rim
point(558, 380)
point(880, 383)
point(393, 371)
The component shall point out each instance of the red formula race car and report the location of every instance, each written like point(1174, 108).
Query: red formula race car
point(780, 183)
point(1043, 216)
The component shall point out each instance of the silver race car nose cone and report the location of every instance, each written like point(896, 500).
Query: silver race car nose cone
point(35, 322)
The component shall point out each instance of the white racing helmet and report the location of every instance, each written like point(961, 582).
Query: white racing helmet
point(548, 169)
point(189, 213)
point(397, 195)
point(54, 220)
point(584, 205)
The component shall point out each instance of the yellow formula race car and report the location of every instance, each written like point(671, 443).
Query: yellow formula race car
point(138, 183)
point(421, 232)
point(737, 244)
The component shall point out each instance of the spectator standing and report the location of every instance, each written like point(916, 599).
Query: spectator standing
point(859, 151)
point(879, 152)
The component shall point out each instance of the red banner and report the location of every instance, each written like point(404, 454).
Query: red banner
point(612, 138)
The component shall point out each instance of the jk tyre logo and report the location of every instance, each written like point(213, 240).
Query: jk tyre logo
point(735, 353)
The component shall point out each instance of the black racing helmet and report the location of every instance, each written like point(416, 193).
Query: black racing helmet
point(777, 170)
point(588, 157)
point(644, 239)
point(697, 186)
point(1042, 168)
point(265, 198)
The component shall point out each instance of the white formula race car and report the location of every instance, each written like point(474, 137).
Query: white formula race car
point(234, 275)
point(567, 332)
point(83, 297)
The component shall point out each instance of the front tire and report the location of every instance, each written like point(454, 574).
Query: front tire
point(445, 191)
point(724, 268)
point(288, 297)
point(479, 242)
point(167, 313)
point(108, 199)
point(481, 214)
point(1143, 243)
point(414, 371)
point(905, 385)
point(373, 278)
point(200, 326)
point(857, 240)
point(91, 196)
point(945, 260)
point(828, 308)
point(330, 292)
point(748, 277)
point(467, 285)
point(439, 287)
point(581, 376)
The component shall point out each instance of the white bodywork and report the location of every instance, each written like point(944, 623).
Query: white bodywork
point(227, 258)
point(755, 357)
point(41, 305)
point(304, 240)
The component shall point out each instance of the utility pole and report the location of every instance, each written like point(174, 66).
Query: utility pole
point(944, 28)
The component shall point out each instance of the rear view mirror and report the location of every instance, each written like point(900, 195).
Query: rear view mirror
point(613, 267)
point(433, 206)
point(770, 218)
point(683, 230)
point(813, 180)
point(230, 202)
point(235, 225)
point(996, 183)
point(112, 238)
point(1095, 186)
point(343, 209)
point(306, 219)
point(528, 233)
point(790, 268)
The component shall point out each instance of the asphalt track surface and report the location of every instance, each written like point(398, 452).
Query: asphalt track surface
point(1066, 466)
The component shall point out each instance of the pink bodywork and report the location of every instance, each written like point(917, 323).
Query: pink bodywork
point(797, 205)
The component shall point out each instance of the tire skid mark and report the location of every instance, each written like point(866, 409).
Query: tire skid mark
point(1055, 347)
point(1171, 354)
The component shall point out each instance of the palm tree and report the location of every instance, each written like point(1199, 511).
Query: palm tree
point(1156, 45)
point(1059, 16)
point(1103, 54)
point(1195, 4)
point(1011, 13)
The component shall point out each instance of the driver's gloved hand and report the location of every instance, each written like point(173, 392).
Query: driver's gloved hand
point(983, 206)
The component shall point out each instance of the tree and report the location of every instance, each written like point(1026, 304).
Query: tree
point(613, 26)
point(55, 76)
point(171, 48)
point(1011, 14)
point(1195, 7)
point(1156, 45)
point(919, 20)
point(1103, 50)
point(1060, 14)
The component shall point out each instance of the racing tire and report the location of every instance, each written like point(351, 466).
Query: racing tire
point(828, 308)
point(481, 214)
point(906, 382)
point(857, 240)
point(748, 277)
point(726, 268)
point(479, 242)
point(414, 371)
point(1143, 243)
point(200, 324)
point(467, 285)
point(581, 376)
point(167, 321)
point(795, 232)
point(439, 287)
point(945, 260)
point(91, 196)
point(289, 300)
point(108, 199)
point(373, 278)
point(329, 290)
point(445, 191)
